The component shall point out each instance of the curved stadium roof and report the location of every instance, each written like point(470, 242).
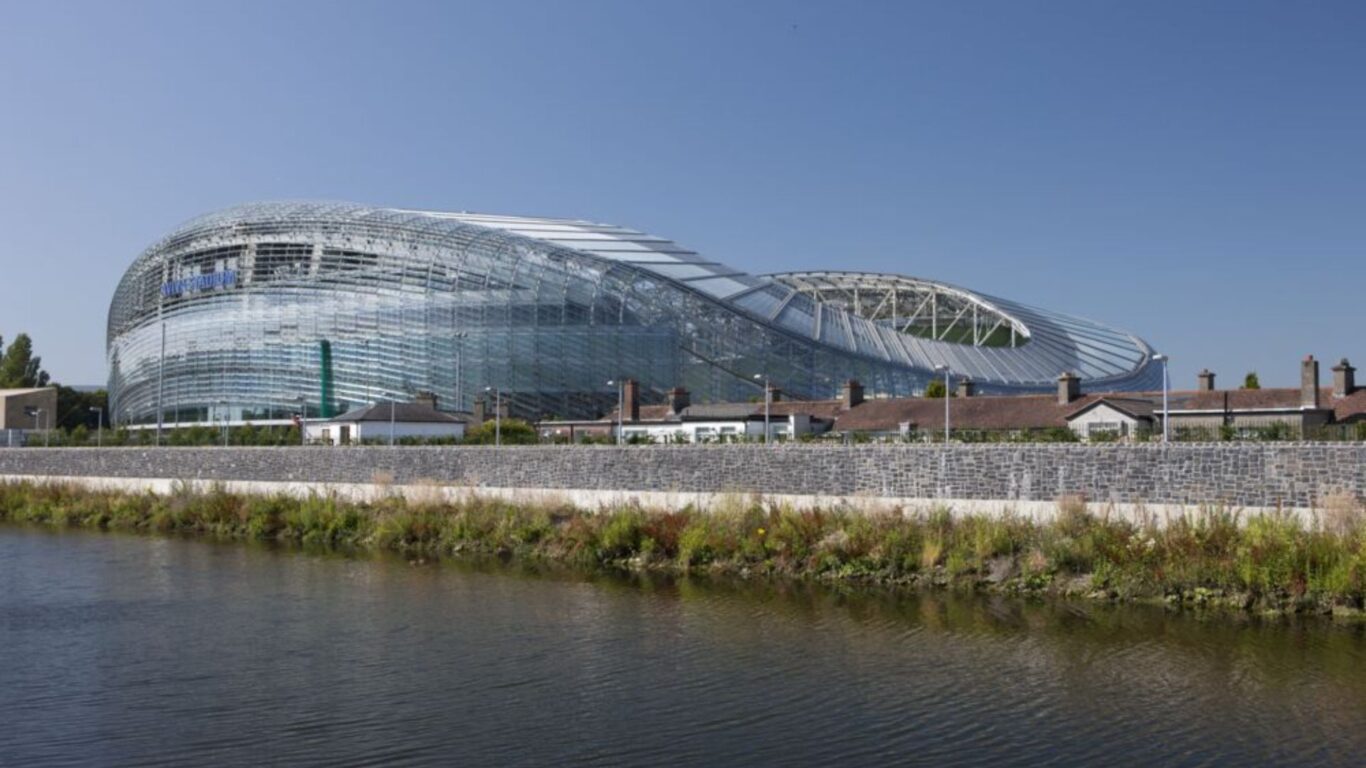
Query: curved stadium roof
point(225, 314)
point(1039, 344)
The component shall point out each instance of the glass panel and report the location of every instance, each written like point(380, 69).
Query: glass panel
point(722, 287)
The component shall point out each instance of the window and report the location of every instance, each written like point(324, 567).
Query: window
point(1104, 428)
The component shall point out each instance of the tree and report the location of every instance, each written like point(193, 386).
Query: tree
point(76, 408)
point(935, 388)
point(1250, 381)
point(19, 369)
point(514, 432)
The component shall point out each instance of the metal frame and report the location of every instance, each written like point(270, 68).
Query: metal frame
point(453, 303)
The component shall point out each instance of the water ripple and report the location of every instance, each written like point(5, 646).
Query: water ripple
point(123, 650)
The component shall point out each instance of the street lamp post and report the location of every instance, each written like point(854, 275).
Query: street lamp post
point(945, 370)
point(99, 425)
point(1166, 385)
point(497, 415)
point(223, 406)
point(767, 399)
point(37, 413)
point(621, 405)
point(303, 420)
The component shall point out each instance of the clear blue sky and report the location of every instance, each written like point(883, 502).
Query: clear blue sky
point(1193, 172)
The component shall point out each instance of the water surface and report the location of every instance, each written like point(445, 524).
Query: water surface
point(126, 650)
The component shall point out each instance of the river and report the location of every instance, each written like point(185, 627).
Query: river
point(130, 650)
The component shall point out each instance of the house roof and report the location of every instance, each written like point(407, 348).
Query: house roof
point(1277, 398)
point(28, 391)
point(1003, 412)
point(827, 410)
point(1349, 408)
point(403, 413)
point(1135, 408)
point(657, 413)
point(723, 411)
point(977, 412)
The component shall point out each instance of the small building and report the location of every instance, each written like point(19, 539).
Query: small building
point(28, 409)
point(378, 422)
point(1111, 417)
point(678, 420)
point(1246, 411)
point(909, 417)
point(1202, 412)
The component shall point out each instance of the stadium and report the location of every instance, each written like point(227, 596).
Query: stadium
point(262, 311)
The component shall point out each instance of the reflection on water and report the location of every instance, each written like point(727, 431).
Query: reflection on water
point(154, 651)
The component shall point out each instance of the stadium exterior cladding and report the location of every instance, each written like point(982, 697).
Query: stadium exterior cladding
point(226, 317)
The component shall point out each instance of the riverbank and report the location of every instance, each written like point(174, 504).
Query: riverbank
point(1264, 563)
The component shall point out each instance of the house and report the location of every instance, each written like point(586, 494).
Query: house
point(1094, 415)
point(905, 417)
point(385, 420)
point(1300, 409)
point(1112, 417)
point(679, 420)
point(29, 409)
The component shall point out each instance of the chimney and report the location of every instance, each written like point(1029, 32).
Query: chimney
point(1344, 379)
point(1204, 381)
point(631, 394)
point(1069, 387)
point(425, 398)
point(851, 394)
point(678, 400)
point(966, 388)
point(480, 413)
point(1309, 382)
point(774, 394)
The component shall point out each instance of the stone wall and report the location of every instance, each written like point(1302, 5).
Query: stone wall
point(1265, 475)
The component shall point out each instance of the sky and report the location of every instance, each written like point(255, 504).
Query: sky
point(1193, 173)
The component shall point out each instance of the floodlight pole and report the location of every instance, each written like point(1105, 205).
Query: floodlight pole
point(1166, 411)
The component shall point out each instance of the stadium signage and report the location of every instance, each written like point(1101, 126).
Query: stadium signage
point(224, 279)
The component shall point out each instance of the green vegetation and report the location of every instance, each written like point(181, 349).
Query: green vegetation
point(19, 368)
point(514, 432)
point(1261, 563)
point(1250, 381)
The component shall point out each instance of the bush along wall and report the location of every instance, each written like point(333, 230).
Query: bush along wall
point(1260, 564)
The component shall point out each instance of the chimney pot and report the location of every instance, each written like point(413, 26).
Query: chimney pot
point(679, 398)
point(1069, 388)
point(631, 394)
point(1204, 380)
point(852, 394)
point(966, 387)
point(1309, 382)
point(1344, 379)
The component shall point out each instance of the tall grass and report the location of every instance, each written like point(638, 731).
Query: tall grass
point(1264, 562)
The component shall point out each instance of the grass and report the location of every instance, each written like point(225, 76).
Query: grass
point(1260, 563)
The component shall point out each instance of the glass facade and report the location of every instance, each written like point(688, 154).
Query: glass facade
point(226, 318)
